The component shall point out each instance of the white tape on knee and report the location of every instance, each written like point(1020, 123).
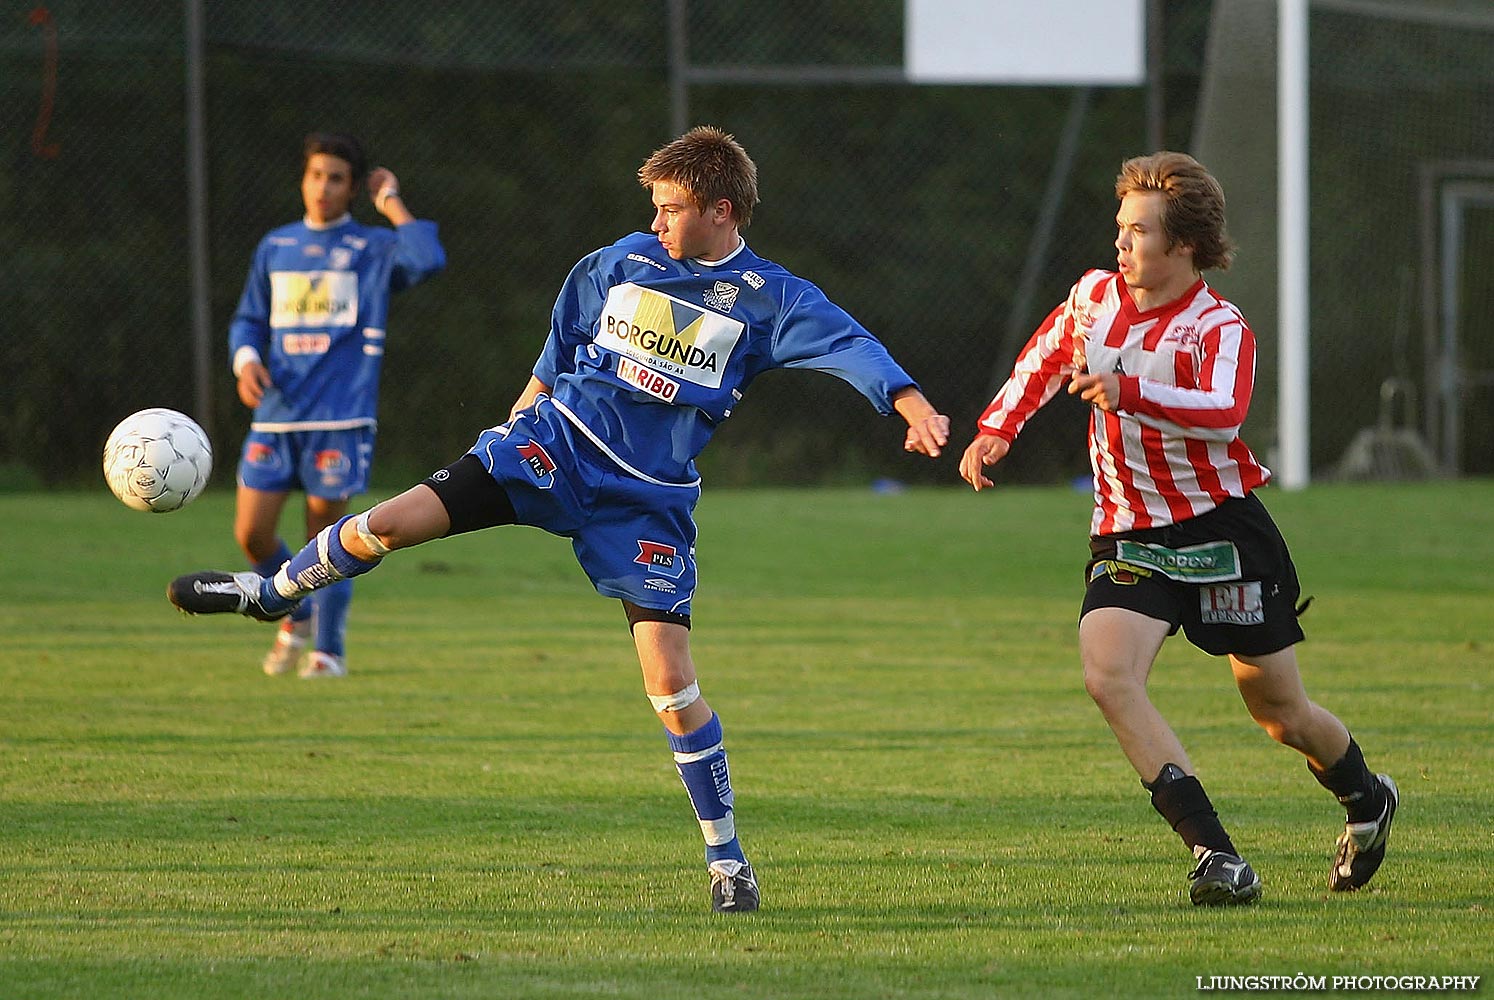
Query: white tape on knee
point(678, 701)
point(368, 538)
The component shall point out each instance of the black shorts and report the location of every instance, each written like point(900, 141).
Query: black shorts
point(1225, 577)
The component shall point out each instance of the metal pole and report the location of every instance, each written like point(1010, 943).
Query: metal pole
point(197, 231)
point(679, 56)
point(1449, 373)
point(1293, 429)
point(1019, 320)
point(1432, 396)
point(1156, 131)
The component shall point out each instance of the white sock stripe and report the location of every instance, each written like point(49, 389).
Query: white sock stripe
point(323, 542)
point(319, 574)
point(285, 586)
point(690, 757)
point(719, 831)
point(677, 701)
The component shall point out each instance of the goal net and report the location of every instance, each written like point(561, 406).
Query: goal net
point(1401, 175)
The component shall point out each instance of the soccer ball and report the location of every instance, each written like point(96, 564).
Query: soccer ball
point(157, 460)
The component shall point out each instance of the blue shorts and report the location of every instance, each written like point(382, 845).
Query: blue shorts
point(634, 539)
point(333, 465)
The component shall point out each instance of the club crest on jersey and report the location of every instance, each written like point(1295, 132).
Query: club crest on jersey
point(333, 466)
point(1184, 335)
point(541, 465)
point(660, 558)
point(722, 295)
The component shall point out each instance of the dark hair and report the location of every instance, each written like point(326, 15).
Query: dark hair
point(710, 165)
point(1193, 209)
point(344, 147)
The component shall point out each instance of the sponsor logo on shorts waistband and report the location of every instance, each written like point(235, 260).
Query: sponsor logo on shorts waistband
point(1209, 562)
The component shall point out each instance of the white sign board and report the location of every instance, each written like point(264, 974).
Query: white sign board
point(1039, 42)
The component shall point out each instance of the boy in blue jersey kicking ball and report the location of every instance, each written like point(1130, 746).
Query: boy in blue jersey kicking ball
point(652, 342)
point(307, 344)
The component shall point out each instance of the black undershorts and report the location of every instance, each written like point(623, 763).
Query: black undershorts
point(1225, 577)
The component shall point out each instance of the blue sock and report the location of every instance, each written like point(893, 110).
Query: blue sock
point(268, 566)
point(271, 566)
point(700, 759)
point(332, 616)
point(321, 561)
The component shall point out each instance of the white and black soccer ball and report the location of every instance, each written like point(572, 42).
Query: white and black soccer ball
point(157, 460)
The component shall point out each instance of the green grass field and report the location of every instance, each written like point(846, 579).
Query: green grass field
point(487, 807)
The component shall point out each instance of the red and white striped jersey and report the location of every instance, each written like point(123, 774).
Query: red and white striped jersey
point(1172, 449)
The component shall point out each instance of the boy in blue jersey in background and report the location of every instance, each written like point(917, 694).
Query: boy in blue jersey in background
point(652, 342)
point(307, 344)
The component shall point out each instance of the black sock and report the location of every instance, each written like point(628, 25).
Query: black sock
point(1352, 783)
point(1182, 801)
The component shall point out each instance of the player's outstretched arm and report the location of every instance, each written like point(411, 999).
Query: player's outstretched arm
point(986, 449)
point(383, 191)
point(928, 429)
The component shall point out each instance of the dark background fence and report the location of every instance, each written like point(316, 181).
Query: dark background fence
point(518, 127)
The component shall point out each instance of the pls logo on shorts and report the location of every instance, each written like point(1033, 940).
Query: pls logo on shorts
point(541, 465)
point(660, 558)
point(261, 454)
point(333, 466)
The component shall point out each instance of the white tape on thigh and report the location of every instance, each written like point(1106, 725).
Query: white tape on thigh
point(375, 546)
point(677, 701)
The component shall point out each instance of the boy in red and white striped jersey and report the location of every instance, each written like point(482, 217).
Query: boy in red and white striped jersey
point(1178, 537)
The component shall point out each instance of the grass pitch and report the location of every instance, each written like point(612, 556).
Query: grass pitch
point(486, 807)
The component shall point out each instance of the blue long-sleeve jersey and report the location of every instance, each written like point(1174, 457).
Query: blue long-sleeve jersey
point(647, 355)
point(314, 308)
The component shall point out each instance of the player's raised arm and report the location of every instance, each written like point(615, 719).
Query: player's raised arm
point(383, 191)
point(928, 429)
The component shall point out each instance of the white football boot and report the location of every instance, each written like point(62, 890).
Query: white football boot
point(320, 664)
point(291, 640)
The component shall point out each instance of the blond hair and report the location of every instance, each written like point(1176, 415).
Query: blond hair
point(1193, 208)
